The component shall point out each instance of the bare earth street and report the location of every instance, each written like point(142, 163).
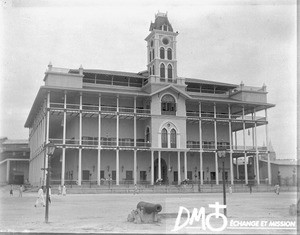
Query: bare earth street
point(107, 213)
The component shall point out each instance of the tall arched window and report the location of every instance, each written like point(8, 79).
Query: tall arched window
point(170, 71)
point(164, 138)
point(153, 55)
point(153, 70)
point(173, 138)
point(150, 71)
point(169, 54)
point(168, 105)
point(150, 56)
point(162, 53)
point(162, 71)
point(148, 135)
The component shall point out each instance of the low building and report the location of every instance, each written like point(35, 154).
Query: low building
point(14, 161)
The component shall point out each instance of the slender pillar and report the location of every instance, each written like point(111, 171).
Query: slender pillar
point(256, 149)
point(117, 167)
point(80, 141)
point(216, 144)
point(79, 165)
point(134, 122)
point(268, 153)
point(134, 167)
point(152, 167)
point(235, 134)
point(63, 163)
point(117, 142)
point(159, 164)
point(201, 167)
point(99, 144)
point(48, 117)
point(185, 165)
point(244, 144)
point(178, 168)
point(237, 169)
point(200, 128)
point(7, 170)
point(230, 144)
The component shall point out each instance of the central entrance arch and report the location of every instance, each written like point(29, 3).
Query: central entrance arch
point(164, 170)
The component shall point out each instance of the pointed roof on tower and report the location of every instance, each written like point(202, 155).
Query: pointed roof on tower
point(160, 20)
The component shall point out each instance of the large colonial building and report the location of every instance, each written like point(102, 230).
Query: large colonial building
point(145, 126)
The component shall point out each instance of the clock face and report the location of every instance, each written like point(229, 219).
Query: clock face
point(165, 41)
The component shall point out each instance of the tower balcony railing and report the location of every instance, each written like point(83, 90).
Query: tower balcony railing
point(104, 108)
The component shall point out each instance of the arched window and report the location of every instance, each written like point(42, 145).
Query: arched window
point(162, 53)
point(165, 27)
point(150, 72)
point(168, 105)
point(150, 56)
point(164, 138)
point(173, 138)
point(148, 135)
point(162, 71)
point(153, 55)
point(170, 71)
point(153, 70)
point(169, 54)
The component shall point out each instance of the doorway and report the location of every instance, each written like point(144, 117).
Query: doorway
point(164, 169)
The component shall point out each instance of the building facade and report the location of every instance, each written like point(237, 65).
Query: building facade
point(145, 127)
point(14, 161)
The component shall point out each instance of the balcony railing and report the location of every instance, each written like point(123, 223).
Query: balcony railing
point(104, 141)
point(210, 145)
point(223, 115)
point(104, 108)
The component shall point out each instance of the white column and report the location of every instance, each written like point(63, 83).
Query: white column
point(201, 167)
point(244, 144)
point(7, 170)
point(216, 145)
point(117, 139)
point(185, 165)
point(134, 167)
point(230, 145)
point(200, 127)
point(48, 117)
point(178, 168)
point(99, 144)
point(217, 168)
point(256, 149)
point(79, 165)
point(152, 167)
point(134, 123)
point(237, 169)
point(235, 134)
point(63, 163)
point(117, 167)
point(267, 145)
point(80, 141)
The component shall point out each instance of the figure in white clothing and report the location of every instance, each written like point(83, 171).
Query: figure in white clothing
point(49, 198)
point(64, 191)
point(59, 189)
point(40, 199)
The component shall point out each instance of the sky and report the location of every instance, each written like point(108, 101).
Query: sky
point(229, 41)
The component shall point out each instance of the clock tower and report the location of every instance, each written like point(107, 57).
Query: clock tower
point(161, 50)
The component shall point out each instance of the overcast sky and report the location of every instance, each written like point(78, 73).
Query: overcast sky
point(225, 41)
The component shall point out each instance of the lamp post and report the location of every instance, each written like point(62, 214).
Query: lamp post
point(50, 150)
point(222, 155)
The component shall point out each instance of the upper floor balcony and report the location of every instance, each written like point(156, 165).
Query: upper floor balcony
point(95, 108)
point(210, 115)
point(89, 141)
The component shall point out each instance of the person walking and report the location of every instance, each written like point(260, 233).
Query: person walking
point(59, 189)
point(11, 191)
point(49, 198)
point(40, 199)
point(64, 190)
point(20, 191)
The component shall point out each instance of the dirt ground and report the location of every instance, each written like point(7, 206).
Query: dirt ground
point(107, 213)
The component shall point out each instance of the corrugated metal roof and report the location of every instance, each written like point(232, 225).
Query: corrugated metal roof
point(110, 72)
